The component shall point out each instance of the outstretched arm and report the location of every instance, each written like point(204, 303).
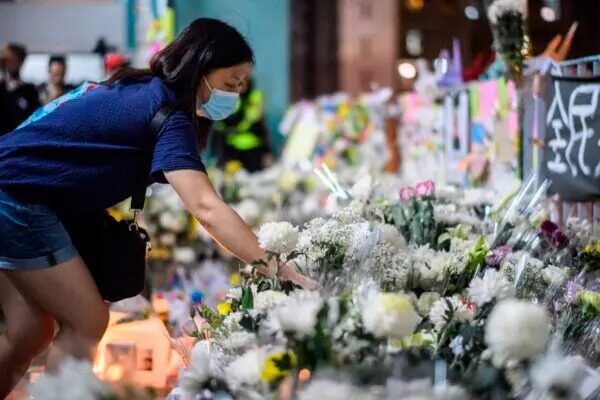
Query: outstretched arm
point(222, 223)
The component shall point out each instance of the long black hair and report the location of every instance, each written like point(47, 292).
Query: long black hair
point(204, 45)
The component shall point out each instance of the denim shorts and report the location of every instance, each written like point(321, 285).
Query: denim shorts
point(31, 235)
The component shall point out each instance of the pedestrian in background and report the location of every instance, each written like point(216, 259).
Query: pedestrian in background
point(18, 99)
point(56, 85)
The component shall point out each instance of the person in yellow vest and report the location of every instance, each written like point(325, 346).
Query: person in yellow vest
point(244, 136)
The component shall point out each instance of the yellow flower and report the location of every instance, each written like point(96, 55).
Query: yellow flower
point(277, 366)
point(287, 181)
point(232, 167)
point(344, 110)
point(393, 303)
point(235, 279)
point(224, 308)
point(418, 339)
point(310, 183)
point(590, 298)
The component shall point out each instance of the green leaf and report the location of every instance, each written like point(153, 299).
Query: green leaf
point(213, 319)
point(264, 285)
point(444, 237)
point(248, 323)
point(284, 363)
point(293, 255)
point(247, 298)
point(287, 287)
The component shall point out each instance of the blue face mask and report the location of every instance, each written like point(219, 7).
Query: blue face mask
point(220, 104)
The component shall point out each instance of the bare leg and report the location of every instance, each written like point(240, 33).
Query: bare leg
point(68, 293)
point(29, 330)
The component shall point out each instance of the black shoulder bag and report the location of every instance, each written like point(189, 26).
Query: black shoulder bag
point(115, 251)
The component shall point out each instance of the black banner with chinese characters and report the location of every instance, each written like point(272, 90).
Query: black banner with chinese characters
point(572, 138)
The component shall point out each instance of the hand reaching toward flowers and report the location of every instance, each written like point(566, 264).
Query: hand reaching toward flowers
point(303, 281)
point(224, 225)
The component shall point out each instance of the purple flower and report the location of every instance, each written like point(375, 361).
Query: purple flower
point(547, 228)
point(494, 258)
point(559, 305)
point(594, 286)
point(559, 239)
point(572, 292)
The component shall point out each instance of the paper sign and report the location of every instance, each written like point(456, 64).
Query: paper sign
point(303, 137)
point(571, 140)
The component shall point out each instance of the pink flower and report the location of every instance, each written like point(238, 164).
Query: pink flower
point(470, 306)
point(407, 193)
point(426, 189)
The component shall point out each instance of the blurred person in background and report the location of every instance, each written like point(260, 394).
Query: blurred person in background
point(244, 136)
point(18, 99)
point(93, 151)
point(56, 85)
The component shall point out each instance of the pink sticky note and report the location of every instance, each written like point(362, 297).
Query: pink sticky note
point(487, 99)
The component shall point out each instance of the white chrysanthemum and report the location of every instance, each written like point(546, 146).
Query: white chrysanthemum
point(426, 301)
point(324, 389)
point(75, 380)
point(233, 319)
point(439, 312)
point(349, 215)
point(184, 255)
point(517, 330)
point(554, 276)
point(287, 181)
point(203, 366)
point(389, 315)
point(390, 235)
point(248, 210)
point(268, 299)
point(363, 188)
point(449, 392)
point(310, 206)
point(235, 293)
point(278, 237)
point(554, 375)
point(246, 369)
point(361, 242)
point(493, 286)
point(298, 315)
point(237, 340)
point(422, 389)
point(443, 263)
point(172, 221)
point(501, 7)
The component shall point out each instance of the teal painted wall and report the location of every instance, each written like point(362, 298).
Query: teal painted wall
point(266, 25)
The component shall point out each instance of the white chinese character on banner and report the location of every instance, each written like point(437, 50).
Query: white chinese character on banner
point(557, 118)
point(583, 105)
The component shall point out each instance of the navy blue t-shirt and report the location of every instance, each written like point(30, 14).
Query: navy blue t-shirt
point(86, 151)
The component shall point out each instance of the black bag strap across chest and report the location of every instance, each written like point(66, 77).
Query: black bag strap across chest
point(138, 197)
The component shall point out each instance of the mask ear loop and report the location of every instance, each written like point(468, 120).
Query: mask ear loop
point(207, 84)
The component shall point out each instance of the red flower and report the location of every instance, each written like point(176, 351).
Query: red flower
point(548, 228)
point(559, 239)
